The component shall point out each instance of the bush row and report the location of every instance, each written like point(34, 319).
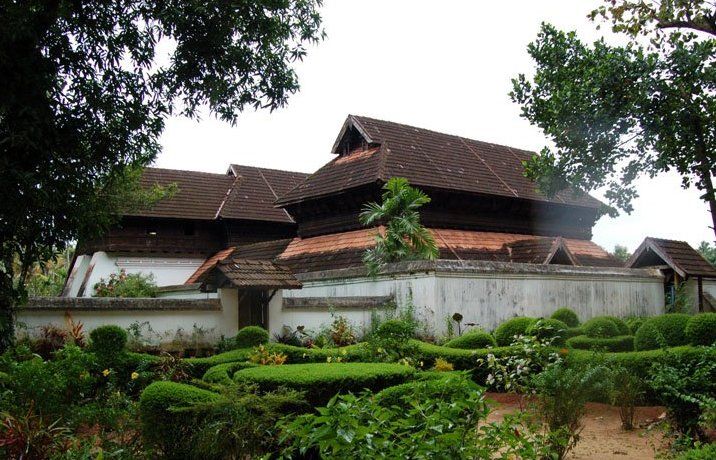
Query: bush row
point(611, 344)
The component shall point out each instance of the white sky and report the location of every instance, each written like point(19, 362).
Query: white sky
point(441, 65)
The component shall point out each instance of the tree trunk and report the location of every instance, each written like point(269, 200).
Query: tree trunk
point(7, 320)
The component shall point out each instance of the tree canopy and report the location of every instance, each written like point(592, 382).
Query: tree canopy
point(404, 238)
point(86, 87)
point(615, 113)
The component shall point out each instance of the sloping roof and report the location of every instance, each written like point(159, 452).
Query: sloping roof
point(246, 193)
point(199, 195)
point(208, 265)
point(427, 159)
point(256, 189)
point(678, 255)
point(257, 274)
point(541, 251)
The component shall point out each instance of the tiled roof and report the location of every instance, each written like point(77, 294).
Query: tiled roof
point(679, 255)
point(248, 193)
point(255, 191)
point(208, 265)
point(257, 274)
point(427, 159)
point(199, 195)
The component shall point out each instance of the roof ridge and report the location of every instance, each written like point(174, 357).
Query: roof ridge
point(489, 168)
point(227, 195)
point(152, 168)
point(262, 168)
point(275, 195)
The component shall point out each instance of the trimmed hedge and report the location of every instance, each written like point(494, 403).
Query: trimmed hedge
point(601, 327)
point(251, 336)
point(472, 340)
point(321, 381)
point(164, 429)
point(668, 330)
point(199, 366)
point(445, 387)
point(108, 340)
point(222, 373)
point(505, 332)
point(573, 332)
point(701, 329)
point(567, 316)
point(549, 328)
point(612, 344)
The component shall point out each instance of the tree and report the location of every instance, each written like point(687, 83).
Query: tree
point(621, 253)
point(615, 113)
point(86, 87)
point(404, 237)
point(708, 251)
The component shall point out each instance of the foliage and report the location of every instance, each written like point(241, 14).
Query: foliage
point(703, 452)
point(612, 344)
point(261, 355)
point(321, 381)
point(251, 336)
point(163, 428)
point(404, 238)
point(47, 278)
point(615, 113)
point(87, 87)
point(51, 339)
point(391, 341)
point(507, 331)
point(664, 330)
point(443, 365)
point(679, 300)
point(123, 285)
point(472, 340)
point(342, 332)
point(621, 253)
point(701, 329)
point(567, 316)
point(242, 424)
point(172, 368)
point(30, 437)
point(550, 329)
point(223, 373)
point(634, 323)
point(601, 327)
point(626, 392)
point(108, 340)
point(708, 251)
point(683, 384)
point(446, 387)
point(563, 392)
point(436, 418)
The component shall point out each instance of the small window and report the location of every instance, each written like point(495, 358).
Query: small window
point(189, 229)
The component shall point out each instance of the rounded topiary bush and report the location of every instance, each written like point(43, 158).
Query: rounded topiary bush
point(611, 344)
point(634, 323)
point(601, 327)
point(108, 340)
point(506, 332)
point(672, 327)
point(320, 381)
point(549, 329)
point(395, 329)
point(648, 337)
point(701, 329)
point(621, 325)
point(251, 336)
point(472, 341)
point(567, 316)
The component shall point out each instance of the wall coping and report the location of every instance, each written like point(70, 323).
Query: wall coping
point(119, 304)
point(449, 267)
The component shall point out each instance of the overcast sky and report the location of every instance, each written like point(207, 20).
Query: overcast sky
point(441, 65)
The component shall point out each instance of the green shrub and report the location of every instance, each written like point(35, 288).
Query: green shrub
point(634, 323)
point(223, 373)
point(573, 332)
point(396, 329)
point(703, 452)
point(126, 285)
point(567, 316)
point(611, 344)
point(601, 327)
point(472, 340)
point(701, 329)
point(108, 340)
point(671, 327)
point(445, 386)
point(251, 336)
point(162, 427)
point(506, 332)
point(648, 337)
point(548, 329)
point(321, 381)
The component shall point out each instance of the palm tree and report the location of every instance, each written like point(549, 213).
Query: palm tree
point(404, 238)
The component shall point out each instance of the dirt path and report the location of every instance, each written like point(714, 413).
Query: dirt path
point(602, 437)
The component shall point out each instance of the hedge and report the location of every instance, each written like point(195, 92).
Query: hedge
point(251, 336)
point(108, 340)
point(567, 316)
point(634, 323)
point(549, 328)
point(201, 365)
point(701, 329)
point(612, 344)
point(222, 373)
point(669, 329)
point(447, 386)
point(164, 429)
point(321, 381)
point(505, 332)
point(602, 327)
point(472, 340)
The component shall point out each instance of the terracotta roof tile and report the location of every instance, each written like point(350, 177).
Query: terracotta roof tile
point(257, 274)
point(677, 254)
point(209, 264)
point(428, 159)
